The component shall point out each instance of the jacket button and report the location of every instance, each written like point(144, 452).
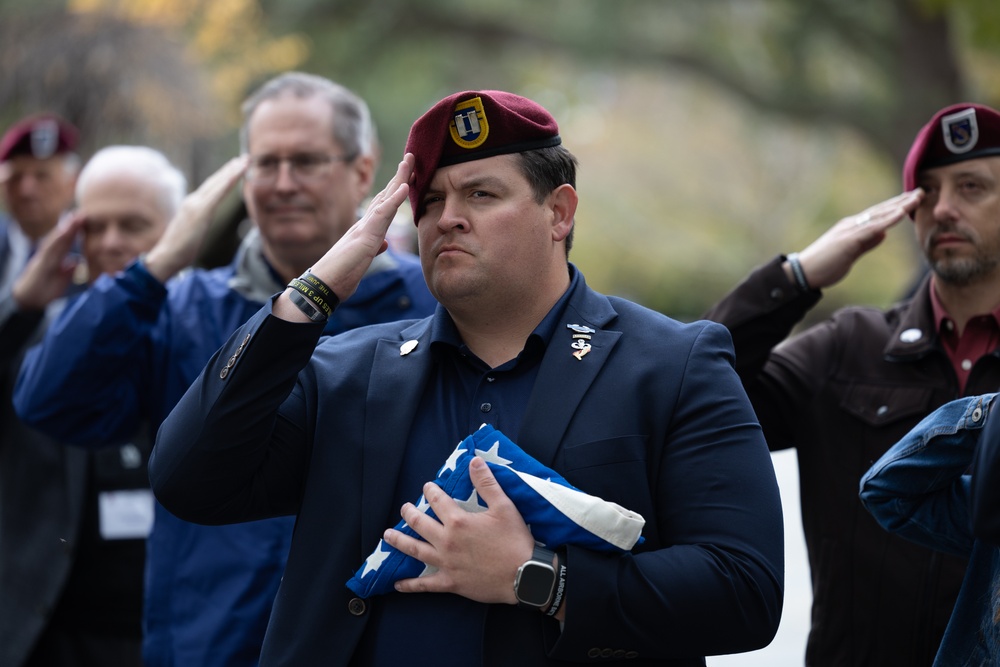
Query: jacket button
point(607, 653)
point(629, 655)
point(404, 302)
point(357, 606)
point(777, 294)
point(594, 653)
point(619, 654)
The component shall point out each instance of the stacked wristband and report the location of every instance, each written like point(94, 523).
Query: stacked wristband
point(313, 297)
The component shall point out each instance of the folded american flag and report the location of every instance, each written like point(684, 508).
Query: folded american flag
point(557, 513)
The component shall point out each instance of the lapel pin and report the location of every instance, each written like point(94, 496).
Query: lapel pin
point(407, 347)
point(582, 347)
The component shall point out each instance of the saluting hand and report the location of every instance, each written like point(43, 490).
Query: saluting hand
point(344, 264)
point(180, 244)
point(828, 259)
point(48, 273)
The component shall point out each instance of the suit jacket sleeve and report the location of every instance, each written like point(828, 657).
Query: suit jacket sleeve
point(760, 313)
point(710, 579)
point(225, 454)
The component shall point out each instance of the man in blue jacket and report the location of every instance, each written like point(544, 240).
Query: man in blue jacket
point(625, 403)
point(74, 522)
point(129, 347)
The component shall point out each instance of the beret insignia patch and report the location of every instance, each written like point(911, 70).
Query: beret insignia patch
point(44, 139)
point(469, 126)
point(961, 131)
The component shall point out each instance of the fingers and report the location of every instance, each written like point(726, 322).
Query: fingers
point(486, 484)
point(222, 181)
point(54, 247)
point(885, 214)
point(384, 205)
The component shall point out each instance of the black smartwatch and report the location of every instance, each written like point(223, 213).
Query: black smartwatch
point(536, 580)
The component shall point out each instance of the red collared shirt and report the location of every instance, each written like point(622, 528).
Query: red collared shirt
point(981, 336)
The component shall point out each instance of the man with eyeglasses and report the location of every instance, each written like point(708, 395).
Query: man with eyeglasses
point(134, 342)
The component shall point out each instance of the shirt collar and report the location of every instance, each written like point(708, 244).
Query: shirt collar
point(941, 315)
point(444, 331)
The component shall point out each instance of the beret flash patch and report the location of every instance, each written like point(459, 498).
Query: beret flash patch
point(469, 126)
point(961, 131)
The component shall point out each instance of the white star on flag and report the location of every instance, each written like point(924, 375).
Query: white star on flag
point(374, 562)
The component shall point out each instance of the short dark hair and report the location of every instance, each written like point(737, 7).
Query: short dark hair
point(546, 169)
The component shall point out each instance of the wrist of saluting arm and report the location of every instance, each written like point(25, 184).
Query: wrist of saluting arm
point(311, 297)
point(798, 274)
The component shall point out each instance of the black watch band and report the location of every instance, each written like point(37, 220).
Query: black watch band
point(536, 580)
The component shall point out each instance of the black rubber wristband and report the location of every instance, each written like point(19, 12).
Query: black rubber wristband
point(304, 304)
point(317, 292)
point(321, 287)
point(800, 275)
point(560, 592)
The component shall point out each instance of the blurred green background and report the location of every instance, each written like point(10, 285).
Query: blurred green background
point(712, 134)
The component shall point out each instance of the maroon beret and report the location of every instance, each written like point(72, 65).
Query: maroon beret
point(471, 126)
point(40, 136)
point(956, 133)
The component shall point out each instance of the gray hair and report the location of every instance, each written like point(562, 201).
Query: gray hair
point(353, 129)
point(141, 160)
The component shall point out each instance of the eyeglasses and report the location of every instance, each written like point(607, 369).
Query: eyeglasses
point(303, 167)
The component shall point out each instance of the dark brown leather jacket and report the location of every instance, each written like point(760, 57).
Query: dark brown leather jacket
point(841, 393)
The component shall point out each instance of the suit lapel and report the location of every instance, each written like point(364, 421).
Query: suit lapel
point(563, 379)
point(395, 388)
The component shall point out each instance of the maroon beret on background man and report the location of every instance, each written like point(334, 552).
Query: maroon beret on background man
point(471, 126)
point(956, 133)
point(40, 136)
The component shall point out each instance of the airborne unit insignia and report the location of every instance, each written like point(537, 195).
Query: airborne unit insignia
point(469, 126)
point(961, 131)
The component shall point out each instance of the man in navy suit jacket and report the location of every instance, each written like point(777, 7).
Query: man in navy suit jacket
point(625, 403)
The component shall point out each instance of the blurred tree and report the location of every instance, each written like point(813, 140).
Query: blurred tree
point(712, 132)
point(806, 107)
point(168, 73)
point(879, 68)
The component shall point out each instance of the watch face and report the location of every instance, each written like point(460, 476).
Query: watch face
point(535, 582)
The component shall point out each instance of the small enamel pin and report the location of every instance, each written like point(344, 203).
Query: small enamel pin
point(407, 347)
point(581, 334)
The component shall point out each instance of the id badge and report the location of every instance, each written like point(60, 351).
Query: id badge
point(126, 514)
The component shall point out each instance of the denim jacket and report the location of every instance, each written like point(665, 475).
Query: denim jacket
point(921, 490)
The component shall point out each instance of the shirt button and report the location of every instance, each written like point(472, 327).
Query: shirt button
point(777, 294)
point(882, 410)
point(485, 407)
point(966, 364)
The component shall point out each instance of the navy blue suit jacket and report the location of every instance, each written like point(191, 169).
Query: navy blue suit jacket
point(654, 418)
